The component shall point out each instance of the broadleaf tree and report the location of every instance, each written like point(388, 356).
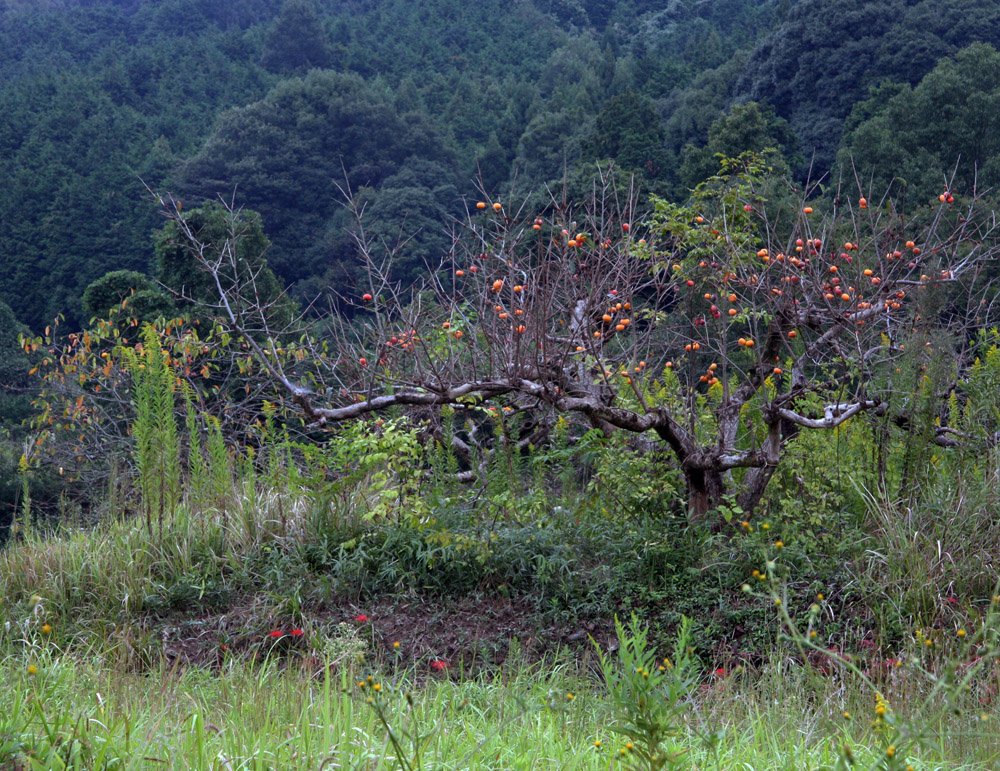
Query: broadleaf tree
point(719, 329)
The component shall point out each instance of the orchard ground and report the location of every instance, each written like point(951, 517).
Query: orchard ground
point(240, 641)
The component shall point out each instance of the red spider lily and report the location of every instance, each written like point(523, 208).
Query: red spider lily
point(276, 633)
point(361, 618)
point(439, 665)
point(296, 633)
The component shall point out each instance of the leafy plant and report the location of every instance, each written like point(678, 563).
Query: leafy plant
point(157, 447)
point(382, 458)
point(943, 667)
point(650, 695)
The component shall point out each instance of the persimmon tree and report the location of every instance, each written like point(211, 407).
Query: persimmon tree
point(720, 328)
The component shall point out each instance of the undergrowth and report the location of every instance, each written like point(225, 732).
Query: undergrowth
point(227, 617)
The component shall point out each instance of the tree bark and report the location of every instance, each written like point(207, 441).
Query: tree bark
point(705, 491)
point(753, 487)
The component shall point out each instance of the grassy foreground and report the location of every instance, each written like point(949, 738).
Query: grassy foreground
point(239, 638)
point(84, 714)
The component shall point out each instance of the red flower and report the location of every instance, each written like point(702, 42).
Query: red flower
point(296, 633)
point(439, 664)
point(720, 672)
point(361, 618)
point(276, 633)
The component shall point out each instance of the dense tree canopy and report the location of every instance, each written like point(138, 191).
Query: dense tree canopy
point(99, 94)
point(235, 245)
point(814, 67)
point(291, 155)
point(945, 130)
point(95, 97)
point(628, 129)
point(298, 41)
point(17, 388)
point(748, 127)
point(128, 295)
point(15, 384)
point(412, 106)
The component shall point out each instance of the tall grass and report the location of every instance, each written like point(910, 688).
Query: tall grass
point(94, 586)
point(73, 712)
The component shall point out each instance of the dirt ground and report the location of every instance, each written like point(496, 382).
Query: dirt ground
point(466, 635)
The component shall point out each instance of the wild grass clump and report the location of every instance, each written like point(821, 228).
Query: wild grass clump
point(648, 709)
point(98, 586)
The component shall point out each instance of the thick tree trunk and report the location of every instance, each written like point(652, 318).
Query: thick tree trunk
point(705, 490)
point(753, 487)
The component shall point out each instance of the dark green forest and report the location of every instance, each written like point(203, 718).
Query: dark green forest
point(419, 109)
point(413, 104)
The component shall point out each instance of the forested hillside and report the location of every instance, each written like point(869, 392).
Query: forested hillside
point(286, 108)
point(412, 103)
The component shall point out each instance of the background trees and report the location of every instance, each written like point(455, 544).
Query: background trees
point(628, 130)
point(298, 41)
point(16, 388)
point(958, 145)
point(242, 273)
point(292, 153)
point(749, 127)
point(119, 289)
point(821, 60)
point(202, 99)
